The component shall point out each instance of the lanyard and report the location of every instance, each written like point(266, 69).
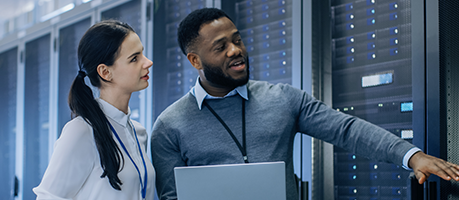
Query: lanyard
point(143, 185)
point(243, 147)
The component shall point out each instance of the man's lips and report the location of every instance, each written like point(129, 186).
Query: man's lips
point(238, 65)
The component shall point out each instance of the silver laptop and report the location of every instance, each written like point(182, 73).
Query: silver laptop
point(250, 181)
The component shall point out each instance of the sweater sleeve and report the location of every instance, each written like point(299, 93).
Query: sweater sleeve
point(166, 155)
point(351, 133)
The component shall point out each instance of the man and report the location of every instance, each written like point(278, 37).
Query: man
point(227, 119)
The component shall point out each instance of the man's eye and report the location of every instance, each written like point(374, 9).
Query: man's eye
point(134, 59)
point(220, 48)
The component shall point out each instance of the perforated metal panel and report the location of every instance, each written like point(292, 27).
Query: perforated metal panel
point(36, 112)
point(8, 72)
point(69, 37)
point(449, 64)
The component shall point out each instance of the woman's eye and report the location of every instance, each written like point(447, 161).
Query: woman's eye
point(134, 59)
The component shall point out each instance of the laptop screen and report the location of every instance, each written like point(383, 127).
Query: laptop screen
point(234, 181)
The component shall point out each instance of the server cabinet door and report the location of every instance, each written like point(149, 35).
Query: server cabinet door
point(69, 37)
point(8, 87)
point(36, 112)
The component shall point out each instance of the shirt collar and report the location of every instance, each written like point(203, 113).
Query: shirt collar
point(113, 113)
point(200, 94)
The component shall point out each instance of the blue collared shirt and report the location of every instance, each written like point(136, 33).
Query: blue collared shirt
point(200, 94)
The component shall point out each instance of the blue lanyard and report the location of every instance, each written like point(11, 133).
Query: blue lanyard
point(144, 185)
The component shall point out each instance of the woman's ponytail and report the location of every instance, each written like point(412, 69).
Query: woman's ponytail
point(99, 45)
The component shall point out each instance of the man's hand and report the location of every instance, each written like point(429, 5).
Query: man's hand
point(424, 165)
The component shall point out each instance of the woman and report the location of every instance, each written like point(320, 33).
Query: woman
point(101, 154)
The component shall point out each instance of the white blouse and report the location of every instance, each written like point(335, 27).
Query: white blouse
point(74, 170)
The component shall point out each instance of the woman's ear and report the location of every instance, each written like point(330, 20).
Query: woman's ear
point(104, 72)
point(194, 60)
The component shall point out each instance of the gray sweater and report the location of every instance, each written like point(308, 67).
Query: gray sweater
point(183, 135)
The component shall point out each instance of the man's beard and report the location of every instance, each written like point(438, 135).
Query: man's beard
point(215, 75)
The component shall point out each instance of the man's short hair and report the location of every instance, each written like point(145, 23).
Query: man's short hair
point(188, 30)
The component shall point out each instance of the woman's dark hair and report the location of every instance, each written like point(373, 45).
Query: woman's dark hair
point(99, 45)
point(188, 29)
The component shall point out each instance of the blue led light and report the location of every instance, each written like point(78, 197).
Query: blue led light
point(371, 21)
point(282, 23)
point(282, 71)
point(266, 65)
point(373, 176)
point(371, 55)
point(350, 59)
point(393, 41)
point(283, 53)
point(371, 45)
point(393, 16)
point(350, 16)
point(283, 63)
point(374, 190)
point(371, 35)
point(350, 50)
point(349, 6)
point(266, 45)
point(266, 36)
point(250, 48)
point(265, 28)
point(350, 26)
point(282, 33)
point(393, 31)
point(282, 11)
point(281, 2)
point(264, 7)
point(370, 11)
point(393, 51)
point(265, 15)
point(350, 40)
point(265, 57)
point(249, 19)
point(393, 6)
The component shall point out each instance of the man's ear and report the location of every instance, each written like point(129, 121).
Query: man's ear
point(104, 72)
point(194, 60)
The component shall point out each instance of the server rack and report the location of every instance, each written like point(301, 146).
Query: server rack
point(69, 37)
point(36, 111)
point(372, 79)
point(8, 86)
